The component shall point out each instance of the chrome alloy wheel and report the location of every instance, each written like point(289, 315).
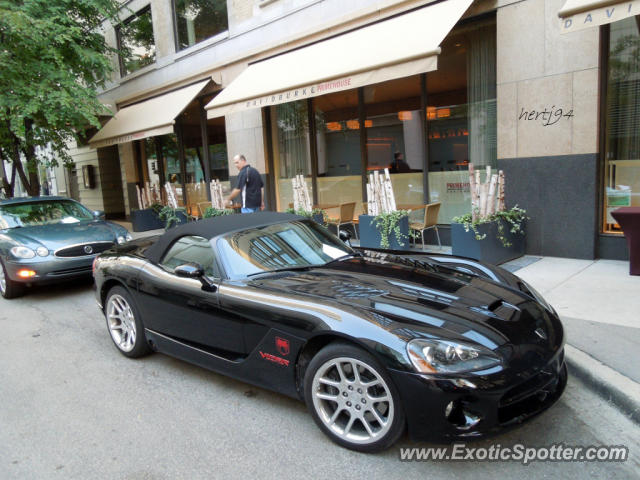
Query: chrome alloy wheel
point(122, 323)
point(3, 280)
point(352, 400)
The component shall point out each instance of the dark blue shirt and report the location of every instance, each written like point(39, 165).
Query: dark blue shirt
point(250, 186)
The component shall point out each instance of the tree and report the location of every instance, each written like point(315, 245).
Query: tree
point(53, 59)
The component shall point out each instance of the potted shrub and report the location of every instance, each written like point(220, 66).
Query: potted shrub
point(172, 216)
point(495, 238)
point(217, 212)
point(317, 214)
point(147, 218)
point(491, 232)
point(385, 230)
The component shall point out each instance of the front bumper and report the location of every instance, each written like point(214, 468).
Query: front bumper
point(49, 269)
point(497, 402)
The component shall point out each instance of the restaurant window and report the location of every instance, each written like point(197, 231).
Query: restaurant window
point(197, 20)
point(291, 148)
point(461, 115)
point(338, 146)
point(135, 42)
point(395, 139)
point(622, 131)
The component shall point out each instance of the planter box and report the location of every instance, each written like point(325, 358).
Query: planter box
point(370, 236)
point(147, 219)
point(490, 249)
point(143, 220)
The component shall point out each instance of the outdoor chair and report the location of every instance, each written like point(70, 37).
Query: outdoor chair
point(430, 220)
point(345, 217)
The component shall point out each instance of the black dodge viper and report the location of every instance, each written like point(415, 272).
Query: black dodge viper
point(375, 342)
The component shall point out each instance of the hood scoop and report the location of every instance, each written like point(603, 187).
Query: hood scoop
point(497, 309)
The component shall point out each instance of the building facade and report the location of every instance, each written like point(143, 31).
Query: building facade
point(546, 90)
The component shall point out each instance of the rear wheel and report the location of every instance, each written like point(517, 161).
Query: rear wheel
point(124, 324)
point(352, 399)
point(9, 288)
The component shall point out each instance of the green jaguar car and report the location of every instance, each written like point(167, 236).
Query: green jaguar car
point(49, 239)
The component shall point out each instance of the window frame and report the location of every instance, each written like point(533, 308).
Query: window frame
point(212, 39)
point(118, 31)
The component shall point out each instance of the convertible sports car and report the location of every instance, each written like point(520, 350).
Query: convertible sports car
point(373, 341)
point(48, 239)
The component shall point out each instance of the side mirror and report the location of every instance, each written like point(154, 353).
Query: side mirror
point(344, 235)
point(98, 214)
point(189, 270)
point(194, 270)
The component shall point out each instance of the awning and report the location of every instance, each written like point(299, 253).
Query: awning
point(149, 118)
point(399, 47)
point(580, 14)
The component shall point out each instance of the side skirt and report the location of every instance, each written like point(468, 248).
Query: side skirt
point(267, 366)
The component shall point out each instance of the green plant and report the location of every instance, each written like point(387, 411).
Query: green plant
point(156, 207)
point(388, 223)
point(515, 217)
point(309, 214)
point(217, 212)
point(169, 216)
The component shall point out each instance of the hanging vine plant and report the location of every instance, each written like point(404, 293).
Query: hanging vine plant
point(388, 224)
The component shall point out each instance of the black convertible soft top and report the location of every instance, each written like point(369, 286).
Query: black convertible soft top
point(212, 227)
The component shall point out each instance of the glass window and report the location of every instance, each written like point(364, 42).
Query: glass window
point(461, 116)
point(395, 138)
point(190, 249)
point(136, 43)
point(622, 134)
point(338, 141)
point(280, 246)
point(197, 20)
point(291, 148)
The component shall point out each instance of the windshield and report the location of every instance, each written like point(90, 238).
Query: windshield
point(46, 212)
point(275, 247)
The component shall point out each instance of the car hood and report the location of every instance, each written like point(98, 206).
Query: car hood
point(420, 301)
point(59, 235)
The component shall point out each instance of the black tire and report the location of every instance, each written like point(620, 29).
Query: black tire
point(8, 288)
point(125, 324)
point(353, 400)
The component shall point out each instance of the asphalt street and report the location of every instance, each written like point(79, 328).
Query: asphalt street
point(73, 407)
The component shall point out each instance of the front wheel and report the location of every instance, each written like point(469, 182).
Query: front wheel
point(9, 288)
point(124, 324)
point(352, 399)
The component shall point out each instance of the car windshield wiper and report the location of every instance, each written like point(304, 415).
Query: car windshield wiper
point(285, 269)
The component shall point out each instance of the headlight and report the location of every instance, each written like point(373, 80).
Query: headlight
point(22, 252)
point(444, 356)
point(42, 251)
point(124, 238)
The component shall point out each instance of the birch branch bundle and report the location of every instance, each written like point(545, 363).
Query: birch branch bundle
point(486, 198)
point(380, 196)
point(217, 199)
point(171, 195)
point(301, 197)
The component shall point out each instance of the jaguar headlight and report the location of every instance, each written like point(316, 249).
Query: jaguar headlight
point(446, 357)
point(42, 251)
point(22, 252)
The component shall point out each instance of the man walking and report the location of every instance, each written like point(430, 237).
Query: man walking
point(249, 186)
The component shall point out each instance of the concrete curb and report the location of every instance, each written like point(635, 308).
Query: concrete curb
point(608, 383)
